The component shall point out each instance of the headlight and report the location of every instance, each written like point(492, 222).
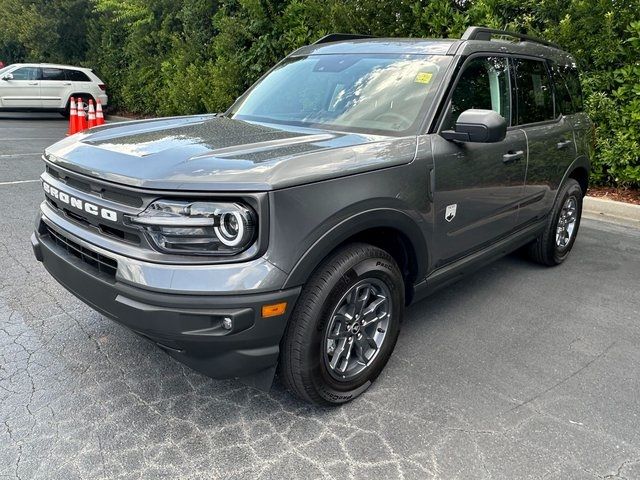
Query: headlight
point(198, 228)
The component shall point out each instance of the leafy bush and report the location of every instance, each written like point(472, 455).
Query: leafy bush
point(171, 57)
point(616, 113)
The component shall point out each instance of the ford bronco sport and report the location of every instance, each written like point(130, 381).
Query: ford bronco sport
point(289, 233)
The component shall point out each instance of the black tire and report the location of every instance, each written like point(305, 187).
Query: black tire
point(303, 365)
point(544, 249)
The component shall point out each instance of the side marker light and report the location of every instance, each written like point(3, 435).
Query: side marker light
point(274, 310)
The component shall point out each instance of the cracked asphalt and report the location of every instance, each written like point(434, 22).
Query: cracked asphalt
point(517, 371)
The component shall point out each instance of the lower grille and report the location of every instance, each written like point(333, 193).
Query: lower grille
point(102, 264)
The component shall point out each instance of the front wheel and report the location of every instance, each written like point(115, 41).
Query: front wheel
point(344, 326)
point(553, 245)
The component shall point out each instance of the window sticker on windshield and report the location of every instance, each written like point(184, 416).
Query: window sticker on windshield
point(423, 77)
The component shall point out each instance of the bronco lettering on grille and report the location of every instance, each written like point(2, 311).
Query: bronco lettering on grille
point(80, 204)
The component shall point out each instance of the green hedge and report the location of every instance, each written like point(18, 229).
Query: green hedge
point(167, 57)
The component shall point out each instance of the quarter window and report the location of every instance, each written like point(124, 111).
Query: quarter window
point(484, 84)
point(568, 90)
point(573, 83)
point(77, 76)
point(25, 73)
point(533, 91)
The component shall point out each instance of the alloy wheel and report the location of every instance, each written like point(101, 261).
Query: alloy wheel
point(567, 222)
point(357, 329)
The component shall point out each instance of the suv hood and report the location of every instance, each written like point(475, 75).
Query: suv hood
point(209, 153)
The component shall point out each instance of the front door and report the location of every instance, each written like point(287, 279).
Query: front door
point(478, 186)
point(23, 90)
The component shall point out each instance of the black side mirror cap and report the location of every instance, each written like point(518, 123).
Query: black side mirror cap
point(479, 126)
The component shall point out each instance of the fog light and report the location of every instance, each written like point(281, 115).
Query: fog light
point(227, 323)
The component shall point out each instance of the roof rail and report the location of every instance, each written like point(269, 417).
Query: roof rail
point(484, 33)
point(340, 37)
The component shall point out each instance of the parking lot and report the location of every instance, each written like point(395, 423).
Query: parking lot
point(518, 371)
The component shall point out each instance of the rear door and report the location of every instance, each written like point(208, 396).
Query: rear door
point(478, 186)
point(23, 90)
point(54, 87)
point(550, 138)
point(568, 95)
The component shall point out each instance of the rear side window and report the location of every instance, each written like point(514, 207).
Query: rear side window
point(53, 74)
point(77, 76)
point(484, 84)
point(533, 91)
point(568, 90)
point(26, 73)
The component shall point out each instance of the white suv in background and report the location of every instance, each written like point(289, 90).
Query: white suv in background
point(32, 87)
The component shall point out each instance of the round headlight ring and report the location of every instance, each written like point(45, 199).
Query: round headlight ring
point(231, 229)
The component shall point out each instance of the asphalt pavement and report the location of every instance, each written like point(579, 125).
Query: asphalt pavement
point(517, 371)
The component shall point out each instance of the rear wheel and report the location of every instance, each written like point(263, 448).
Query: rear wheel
point(344, 326)
point(85, 100)
point(554, 244)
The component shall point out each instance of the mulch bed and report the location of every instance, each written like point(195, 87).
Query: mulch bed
point(618, 194)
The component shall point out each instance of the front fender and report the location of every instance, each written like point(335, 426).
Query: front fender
point(341, 232)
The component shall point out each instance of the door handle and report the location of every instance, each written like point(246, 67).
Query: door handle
point(67, 83)
point(32, 83)
point(563, 144)
point(512, 156)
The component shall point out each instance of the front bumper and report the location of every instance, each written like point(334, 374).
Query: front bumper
point(188, 326)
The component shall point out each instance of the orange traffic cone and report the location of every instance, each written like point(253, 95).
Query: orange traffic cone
point(82, 119)
point(92, 115)
point(72, 117)
point(99, 114)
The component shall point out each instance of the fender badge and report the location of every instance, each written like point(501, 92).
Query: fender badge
point(450, 212)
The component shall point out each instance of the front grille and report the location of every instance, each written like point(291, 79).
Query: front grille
point(102, 264)
point(117, 233)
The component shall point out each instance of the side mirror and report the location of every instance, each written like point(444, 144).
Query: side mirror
point(481, 126)
point(8, 76)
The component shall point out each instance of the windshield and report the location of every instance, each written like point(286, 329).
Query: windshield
point(386, 93)
point(5, 69)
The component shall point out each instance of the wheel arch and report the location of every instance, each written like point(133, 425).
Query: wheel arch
point(581, 175)
point(579, 171)
point(78, 94)
point(393, 231)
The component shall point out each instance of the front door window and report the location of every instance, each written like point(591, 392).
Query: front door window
point(25, 73)
point(484, 84)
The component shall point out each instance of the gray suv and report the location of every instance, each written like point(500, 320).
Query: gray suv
point(289, 233)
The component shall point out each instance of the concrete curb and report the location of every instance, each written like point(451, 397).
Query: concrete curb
point(611, 210)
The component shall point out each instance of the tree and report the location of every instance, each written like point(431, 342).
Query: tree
point(166, 57)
